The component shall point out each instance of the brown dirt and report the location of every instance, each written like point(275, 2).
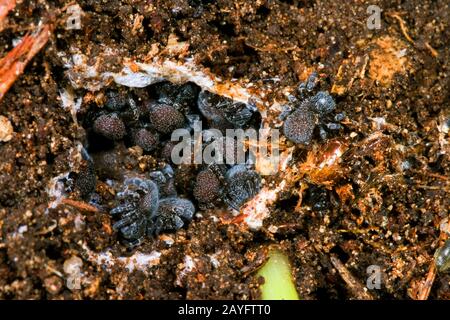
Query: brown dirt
point(383, 206)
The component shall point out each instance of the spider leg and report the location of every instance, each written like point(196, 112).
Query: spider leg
point(308, 86)
point(323, 133)
point(133, 231)
point(122, 209)
point(178, 223)
point(157, 227)
point(334, 126)
point(125, 220)
point(127, 194)
point(231, 202)
point(133, 181)
point(133, 243)
point(179, 212)
point(311, 82)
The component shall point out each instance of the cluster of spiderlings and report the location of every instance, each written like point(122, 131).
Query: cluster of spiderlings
point(306, 111)
point(160, 200)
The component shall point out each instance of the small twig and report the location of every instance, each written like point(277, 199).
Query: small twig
point(54, 271)
point(303, 187)
point(272, 47)
point(433, 51)
point(48, 229)
point(404, 29)
point(425, 287)
point(402, 26)
point(359, 291)
point(439, 176)
point(14, 63)
point(80, 205)
point(421, 186)
point(362, 72)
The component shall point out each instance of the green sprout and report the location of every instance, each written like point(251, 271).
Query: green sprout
point(278, 281)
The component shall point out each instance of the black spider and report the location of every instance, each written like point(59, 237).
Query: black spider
point(165, 181)
point(142, 213)
point(172, 214)
point(306, 111)
point(84, 180)
point(139, 203)
point(242, 184)
point(181, 97)
point(209, 185)
point(231, 184)
point(224, 113)
point(110, 125)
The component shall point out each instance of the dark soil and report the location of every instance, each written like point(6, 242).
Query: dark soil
point(384, 206)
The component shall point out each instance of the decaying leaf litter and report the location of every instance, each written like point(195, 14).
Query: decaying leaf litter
point(381, 199)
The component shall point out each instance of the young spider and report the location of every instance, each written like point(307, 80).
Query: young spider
point(139, 203)
point(172, 214)
point(306, 111)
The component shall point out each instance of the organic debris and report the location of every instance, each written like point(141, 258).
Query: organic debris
point(14, 63)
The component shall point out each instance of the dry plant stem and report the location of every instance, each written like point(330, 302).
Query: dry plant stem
point(433, 51)
point(13, 64)
point(425, 287)
point(79, 205)
point(402, 26)
point(355, 287)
